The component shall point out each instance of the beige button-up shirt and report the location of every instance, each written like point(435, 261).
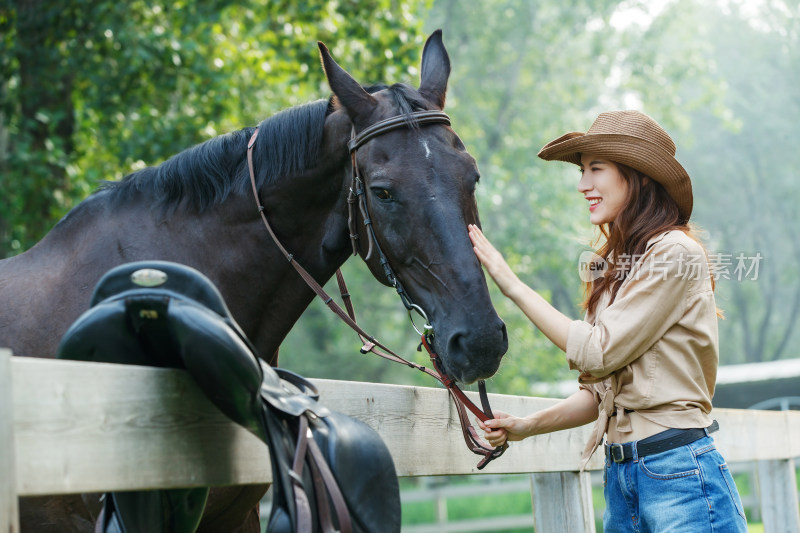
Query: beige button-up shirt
point(655, 349)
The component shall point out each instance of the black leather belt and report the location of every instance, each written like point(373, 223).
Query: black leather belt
point(660, 442)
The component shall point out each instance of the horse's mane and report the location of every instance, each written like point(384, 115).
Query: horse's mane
point(207, 173)
point(406, 97)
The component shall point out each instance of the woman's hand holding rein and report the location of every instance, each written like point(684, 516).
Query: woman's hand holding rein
point(577, 410)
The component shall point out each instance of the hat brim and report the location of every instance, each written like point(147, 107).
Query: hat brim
point(637, 153)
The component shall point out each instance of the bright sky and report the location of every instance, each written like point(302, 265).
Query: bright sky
point(637, 12)
point(642, 12)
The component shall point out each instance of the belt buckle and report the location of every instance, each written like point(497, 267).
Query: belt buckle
point(617, 453)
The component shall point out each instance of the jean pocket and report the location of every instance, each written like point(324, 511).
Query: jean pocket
point(671, 464)
point(732, 490)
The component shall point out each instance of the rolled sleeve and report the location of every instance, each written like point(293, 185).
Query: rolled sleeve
point(580, 350)
point(649, 302)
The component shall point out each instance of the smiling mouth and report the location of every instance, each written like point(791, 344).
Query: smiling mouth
point(593, 202)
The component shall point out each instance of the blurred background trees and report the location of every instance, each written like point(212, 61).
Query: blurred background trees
point(92, 90)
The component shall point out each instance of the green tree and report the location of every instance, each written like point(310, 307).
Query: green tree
point(744, 161)
point(91, 90)
point(723, 77)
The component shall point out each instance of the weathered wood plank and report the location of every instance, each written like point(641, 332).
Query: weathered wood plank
point(747, 435)
point(777, 484)
point(79, 426)
point(89, 426)
point(562, 501)
point(9, 511)
point(71, 417)
point(420, 426)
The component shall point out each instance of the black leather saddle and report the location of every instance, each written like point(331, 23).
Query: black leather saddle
point(331, 472)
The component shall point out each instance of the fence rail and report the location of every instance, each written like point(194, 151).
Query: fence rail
point(68, 427)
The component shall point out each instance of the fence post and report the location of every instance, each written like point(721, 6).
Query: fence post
point(777, 483)
point(9, 507)
point(441, 509)
point(562, 502)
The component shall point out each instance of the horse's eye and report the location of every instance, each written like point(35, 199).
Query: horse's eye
point(383, 194)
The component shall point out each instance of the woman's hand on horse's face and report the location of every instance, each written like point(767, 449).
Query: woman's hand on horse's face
point(492, 260)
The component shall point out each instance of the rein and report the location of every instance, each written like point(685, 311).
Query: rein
point(370, 344)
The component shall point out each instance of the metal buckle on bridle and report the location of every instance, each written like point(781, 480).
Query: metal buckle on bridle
point(427, 329)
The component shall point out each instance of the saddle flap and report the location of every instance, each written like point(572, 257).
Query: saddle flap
point(276, 391)
point(364, 471)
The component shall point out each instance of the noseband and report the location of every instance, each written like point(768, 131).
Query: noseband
point(356, 195)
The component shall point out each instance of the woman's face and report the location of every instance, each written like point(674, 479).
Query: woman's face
point(603, 187)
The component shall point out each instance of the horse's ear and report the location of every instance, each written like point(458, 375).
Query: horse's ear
point(355, 100)
point(435, 70)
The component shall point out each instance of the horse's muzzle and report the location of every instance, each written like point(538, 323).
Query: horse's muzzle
point(470, 355)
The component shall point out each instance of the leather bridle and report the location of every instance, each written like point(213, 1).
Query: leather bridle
point(370, 344)
point(357, 196)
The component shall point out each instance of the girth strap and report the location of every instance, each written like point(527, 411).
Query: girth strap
point(325, 485)
point(321, 470)
point(304, 520)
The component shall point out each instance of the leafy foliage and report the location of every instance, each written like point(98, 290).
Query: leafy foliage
point(94, 89)
point(744, 159)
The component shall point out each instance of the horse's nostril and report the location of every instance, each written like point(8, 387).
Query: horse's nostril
point(457, 345)
point(472, 354)
point(504, 341)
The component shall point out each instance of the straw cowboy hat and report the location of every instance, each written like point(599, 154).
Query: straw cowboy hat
point(633, 139)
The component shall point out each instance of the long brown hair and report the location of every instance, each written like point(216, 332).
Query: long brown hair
point(649, 211)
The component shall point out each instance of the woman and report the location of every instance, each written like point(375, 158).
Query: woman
point(647, 350)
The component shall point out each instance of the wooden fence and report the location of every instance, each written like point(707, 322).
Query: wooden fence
point(69, 427)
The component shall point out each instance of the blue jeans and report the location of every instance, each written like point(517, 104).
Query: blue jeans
point(685, 490)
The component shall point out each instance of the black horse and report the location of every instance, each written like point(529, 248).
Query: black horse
point(198, 209)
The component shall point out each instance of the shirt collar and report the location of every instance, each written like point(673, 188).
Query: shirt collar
point(658, 238)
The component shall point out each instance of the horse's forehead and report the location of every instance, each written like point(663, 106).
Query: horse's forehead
point(386, 107)
point(429, 146)
point(387, 103)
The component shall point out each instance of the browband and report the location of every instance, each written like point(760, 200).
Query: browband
point(396, 122)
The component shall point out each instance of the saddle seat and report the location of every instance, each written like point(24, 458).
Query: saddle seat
point(331, 472)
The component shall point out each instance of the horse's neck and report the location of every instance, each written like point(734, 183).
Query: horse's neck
point(47, 288)
point(308, 213)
